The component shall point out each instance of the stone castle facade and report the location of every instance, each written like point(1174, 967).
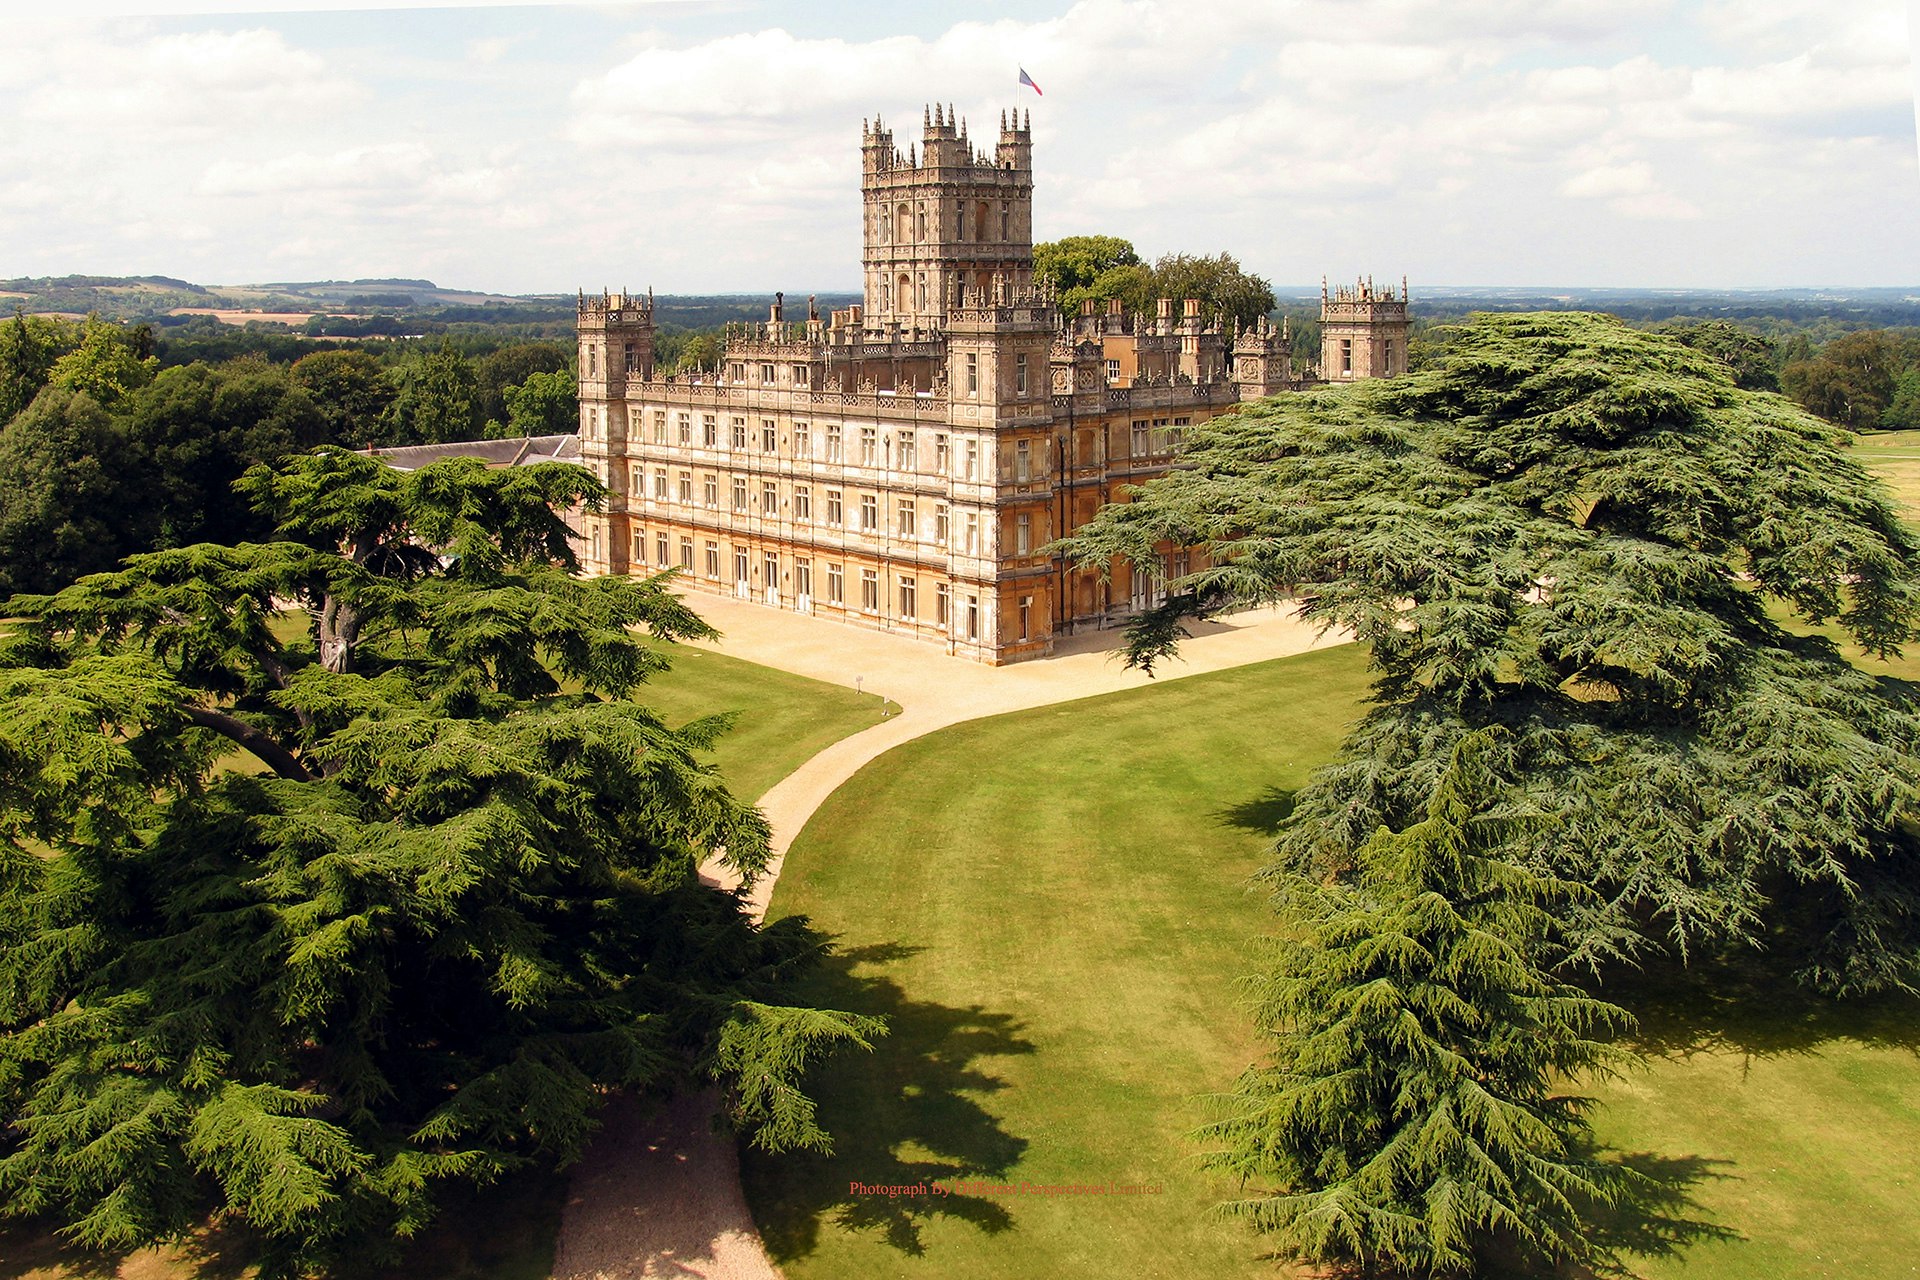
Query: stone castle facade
point(902, 464)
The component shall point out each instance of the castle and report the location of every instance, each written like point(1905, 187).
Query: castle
point(902, 464)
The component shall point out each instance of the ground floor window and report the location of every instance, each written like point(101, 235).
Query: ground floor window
point(803, 577)
point(909, 598)
point(836, 585)
point(713, 561)
point(942, 605)
point(739, 564)
point(870, 590)
point(686, 554)
point(973, 617)
point(660, 548)
point(1026, 616)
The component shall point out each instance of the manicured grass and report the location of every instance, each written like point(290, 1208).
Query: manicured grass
point(1896, 456)
point(783, 719)
point(1785, 1128)
point(1052, 908)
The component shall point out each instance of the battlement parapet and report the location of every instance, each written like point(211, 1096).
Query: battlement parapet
point(615, 308)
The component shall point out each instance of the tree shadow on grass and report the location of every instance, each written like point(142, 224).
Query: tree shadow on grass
point(223, 1250)
point(1748, 1002)
point(908, 1115)
point(1262, 815)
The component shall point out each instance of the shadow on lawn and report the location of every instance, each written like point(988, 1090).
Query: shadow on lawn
point(220, 1252)
point(1262, 815)
point(1749, 1003)
point(906, 1115)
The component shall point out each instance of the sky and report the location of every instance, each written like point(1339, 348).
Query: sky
point(705, 146)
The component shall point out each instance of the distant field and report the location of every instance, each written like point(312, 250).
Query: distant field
point(236, 316)
point(1896, 456)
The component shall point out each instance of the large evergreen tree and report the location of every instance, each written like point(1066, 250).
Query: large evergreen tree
point(302, 927)
point(1413, 1117)
point(1590, 536)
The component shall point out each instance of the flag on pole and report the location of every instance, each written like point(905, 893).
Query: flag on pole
point(1027, 80)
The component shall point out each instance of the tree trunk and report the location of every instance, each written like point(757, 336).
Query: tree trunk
point(339, 635)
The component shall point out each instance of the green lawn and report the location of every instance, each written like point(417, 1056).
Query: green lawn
point(1052, 909)
point(784, 719)
point(1896, 456)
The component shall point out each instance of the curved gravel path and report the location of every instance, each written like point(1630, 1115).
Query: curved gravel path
point(658, 1193)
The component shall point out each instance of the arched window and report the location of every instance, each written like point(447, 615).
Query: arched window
point(980, 219)
point(903, 224)
point(903, 296)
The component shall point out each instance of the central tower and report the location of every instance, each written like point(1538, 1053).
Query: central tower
point(944, 219)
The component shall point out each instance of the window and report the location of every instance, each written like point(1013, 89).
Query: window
point(1006, 232)
point(593, 361)
point(709, 431)
point(1160, 435)
point(801, 375)
point(973, 459)
point(769, 498)
point(942, 605)
point(802, 440)
point(713, 561)
point(973, 534)
point(1022, 461)
point(737, 373)
point(870, 590)
point(942, 454)
point(770, 571)
point(769, 438)
point(633, 359)
point(909, 598)
point(660, 483)
point(869, 446)
point(739, 493)
point(1346, 355)
point(940, 522)
point(833, 444)
point(1113, 371)
point(1020, 374)
point(960, 221)
point(802, 576)
point(639, 546)
point(1177, 434)
point(1026, 615)
point(740, 433)
point(869, 513)
point(836, 585)
point(1022, 534)
point(740, 566)
point(1139, 438)
point(686, 490)
point(906, 518)
point(904, 451)
point(636, 481)
point(973, 373)
point(659, 426)
point(833, 508)
point(711, 486)
point(802, 502)
point(686, 428)
point(766, 374)
point(973, 617)
point(686, 554)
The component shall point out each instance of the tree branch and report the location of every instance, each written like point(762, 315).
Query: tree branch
point(261, 744)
